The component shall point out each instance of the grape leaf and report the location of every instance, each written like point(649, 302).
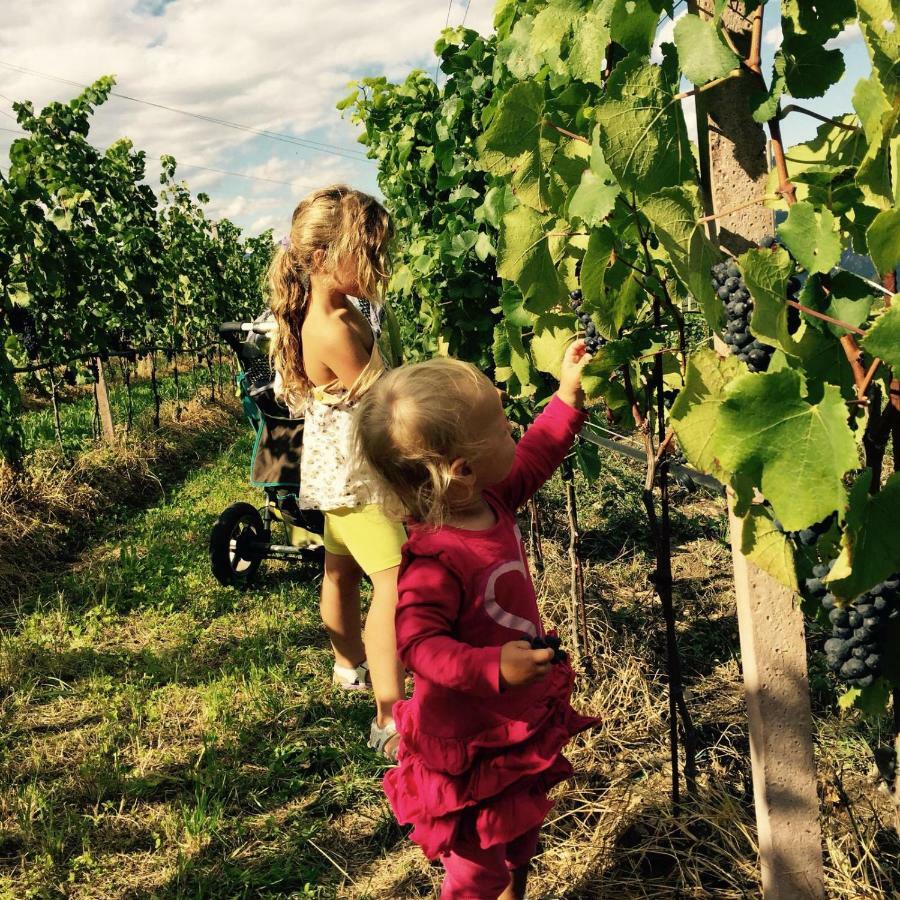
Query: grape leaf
point(642, 132)
point(552, 335)
point(766, 274)
point(870, 544)
point(515, 129)
point(883, 239)
point(809, 68)
point(796, 452)
point(675, 213)
point(702, 53)
point(595, 263)
point(695, 412)
point(550, 27)
point(524, 257)
point(632, 23)
point(879, 118)
point(767, 105)
point(878, 20)
point(812, 237)
point(883, 338)
point(588, 48)
point(593, 200)
point(763, 544)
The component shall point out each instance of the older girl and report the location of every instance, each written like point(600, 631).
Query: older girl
point(327, 357)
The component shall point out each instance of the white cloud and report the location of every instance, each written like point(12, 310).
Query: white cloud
point(850, 35)
point(773, 36)
point(280, 67)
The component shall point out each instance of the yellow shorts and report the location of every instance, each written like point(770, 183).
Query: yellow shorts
point(366, 534)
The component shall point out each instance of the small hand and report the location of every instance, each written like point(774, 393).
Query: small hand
point(574, 361)
point(520, 665)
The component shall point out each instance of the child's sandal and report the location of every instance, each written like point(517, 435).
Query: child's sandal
point(356, 679)
point(380, 737)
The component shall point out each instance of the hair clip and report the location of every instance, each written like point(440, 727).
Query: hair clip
point(285, 243)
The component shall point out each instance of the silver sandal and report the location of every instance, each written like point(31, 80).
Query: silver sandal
point(356, 679)
point(379, 737)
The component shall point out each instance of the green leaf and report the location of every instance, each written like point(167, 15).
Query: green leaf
point(514, 310)
point(883, 338)
point(552, 335)
point(588, 458)
point(588, 48)
point(870, 544)
point(883, 239)
point(633, 23)
point(879, 118)
point(695, 412)
point(642, 133)
point(810, 69)
point(796, 452)
point(812, 237)
point(593, 200)
point(878, 20)
point(675, 214)
point(595, 264)
point(702, 53)
point(768, 548)
point(766, 274)
point(483, 246)
point(524, 257)
point(767, 105)
point(515, 129)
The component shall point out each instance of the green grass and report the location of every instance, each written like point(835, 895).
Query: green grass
point(76, 405)
point(149, 711)
point(162, 736)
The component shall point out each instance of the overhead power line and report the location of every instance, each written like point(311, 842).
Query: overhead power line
point(184, 165)
point(306, 143)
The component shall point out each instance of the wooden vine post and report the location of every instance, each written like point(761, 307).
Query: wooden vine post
point(773, 650)
point(103, 407)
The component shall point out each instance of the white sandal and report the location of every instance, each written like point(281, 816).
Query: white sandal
point(379, 738)
point(355, 679)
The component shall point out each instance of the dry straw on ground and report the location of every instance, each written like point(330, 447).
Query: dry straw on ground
point(47, 513)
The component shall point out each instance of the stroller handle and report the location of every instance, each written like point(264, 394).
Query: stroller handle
point(227, 328)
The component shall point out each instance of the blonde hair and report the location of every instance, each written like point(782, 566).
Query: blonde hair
point(348, 226)
point(412, 425)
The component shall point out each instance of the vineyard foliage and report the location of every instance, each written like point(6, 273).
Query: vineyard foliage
point(555, 157)
point(93, 264)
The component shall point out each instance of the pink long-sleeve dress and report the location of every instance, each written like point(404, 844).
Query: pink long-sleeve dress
point(466, 746)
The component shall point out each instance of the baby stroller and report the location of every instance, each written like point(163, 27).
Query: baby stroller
point(242, 536)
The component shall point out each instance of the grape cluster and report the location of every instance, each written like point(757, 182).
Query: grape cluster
point(731, 290)
point(22, 323)
point(550, 642)
point(858, 630)
point(591, 340)
point(807, 537)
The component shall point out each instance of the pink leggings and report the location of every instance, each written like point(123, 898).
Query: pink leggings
point(476, 874)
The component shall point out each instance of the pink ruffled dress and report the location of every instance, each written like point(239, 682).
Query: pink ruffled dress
point(466, 747)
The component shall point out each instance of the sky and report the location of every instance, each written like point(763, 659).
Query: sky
point(274, 67)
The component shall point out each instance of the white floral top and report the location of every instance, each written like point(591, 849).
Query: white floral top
point(330, 474)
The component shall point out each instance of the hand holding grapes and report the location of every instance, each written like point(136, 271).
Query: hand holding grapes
point(575, 359)
point(520, 665)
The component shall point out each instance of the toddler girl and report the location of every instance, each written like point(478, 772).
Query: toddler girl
point(326, 356)
point(482, 734)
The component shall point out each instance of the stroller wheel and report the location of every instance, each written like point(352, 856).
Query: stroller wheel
point(233, 558)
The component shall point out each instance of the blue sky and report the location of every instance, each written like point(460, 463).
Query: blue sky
point(271, 66)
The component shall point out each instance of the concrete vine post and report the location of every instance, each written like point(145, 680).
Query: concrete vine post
point(773, 650)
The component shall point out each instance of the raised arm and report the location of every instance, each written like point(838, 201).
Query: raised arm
point(546, 443)
point(428, 606)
